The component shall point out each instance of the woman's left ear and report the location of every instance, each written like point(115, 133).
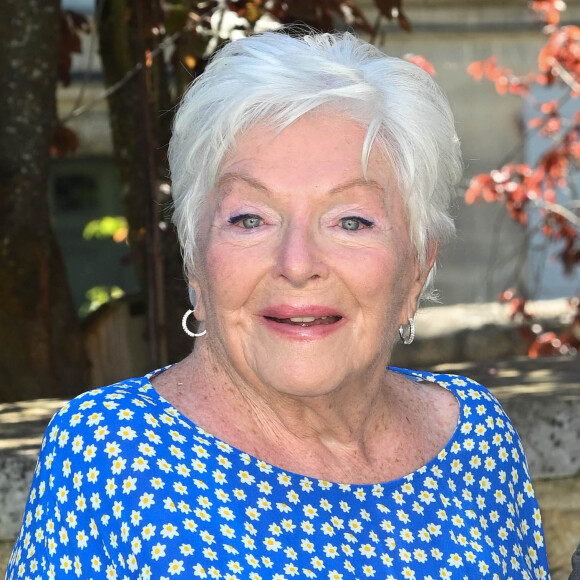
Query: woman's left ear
point(421, 278)
point(432, 252)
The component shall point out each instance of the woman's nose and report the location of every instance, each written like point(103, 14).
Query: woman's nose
point(300, 255)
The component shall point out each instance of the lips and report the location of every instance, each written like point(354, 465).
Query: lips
point(302, 322)
point(306, 321)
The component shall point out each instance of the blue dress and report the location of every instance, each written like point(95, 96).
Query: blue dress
point(126, 487)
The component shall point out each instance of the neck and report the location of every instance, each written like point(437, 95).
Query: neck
point(345, 414)
point(325, 436)
point(380, 431)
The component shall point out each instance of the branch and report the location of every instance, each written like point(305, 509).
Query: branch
point(130, 74)
point(556, 208)
point(565, 75)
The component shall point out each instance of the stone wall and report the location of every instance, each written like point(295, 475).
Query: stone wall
point(542, 398)
point(560, 506)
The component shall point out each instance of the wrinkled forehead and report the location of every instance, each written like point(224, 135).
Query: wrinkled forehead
point(324, 145)
point(259, 137)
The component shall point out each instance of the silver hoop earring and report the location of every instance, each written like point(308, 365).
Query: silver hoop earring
point(184, 325)
point(407, 334)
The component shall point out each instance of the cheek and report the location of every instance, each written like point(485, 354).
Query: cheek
point(231, 277)
point(379, 272)
point(383, 282)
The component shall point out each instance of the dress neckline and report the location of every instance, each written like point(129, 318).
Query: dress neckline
point(416, 376)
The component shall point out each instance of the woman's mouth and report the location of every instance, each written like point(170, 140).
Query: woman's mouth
point(306, 321)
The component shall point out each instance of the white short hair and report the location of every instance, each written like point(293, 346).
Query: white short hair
point(276, 78)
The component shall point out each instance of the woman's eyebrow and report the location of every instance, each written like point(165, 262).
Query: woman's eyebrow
point(227, 178)
point(358, 182)
point(257, 184)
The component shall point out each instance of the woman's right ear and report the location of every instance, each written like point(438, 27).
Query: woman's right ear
point(192, 295)
point(196, 299)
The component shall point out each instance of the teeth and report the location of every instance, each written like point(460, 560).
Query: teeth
point(304, 319)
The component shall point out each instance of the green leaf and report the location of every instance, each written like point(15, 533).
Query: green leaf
point(105, 227)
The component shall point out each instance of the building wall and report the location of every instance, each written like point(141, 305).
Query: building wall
point(487, 255)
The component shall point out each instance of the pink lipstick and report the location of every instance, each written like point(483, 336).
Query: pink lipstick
point(304, 321)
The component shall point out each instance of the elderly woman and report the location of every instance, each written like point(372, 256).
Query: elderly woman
point(311, 180)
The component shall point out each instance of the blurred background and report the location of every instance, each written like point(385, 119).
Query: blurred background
point(91, 288)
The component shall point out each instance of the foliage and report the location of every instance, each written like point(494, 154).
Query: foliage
point(201, 27)
point(114, 227)
point(99, 295)
point(547, 187)
point(72, 25)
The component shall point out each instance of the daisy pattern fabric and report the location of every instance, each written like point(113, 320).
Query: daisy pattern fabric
point(127, 488)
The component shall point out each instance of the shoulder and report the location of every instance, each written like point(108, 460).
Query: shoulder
point(117, 413)
point(480, 412)
point(135, 392)
point(107, 432)
point(462, 387)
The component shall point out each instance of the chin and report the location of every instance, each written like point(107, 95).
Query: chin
point(304, 382)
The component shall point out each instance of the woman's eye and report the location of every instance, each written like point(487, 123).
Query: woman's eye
point(354, 223)
point(246, 221)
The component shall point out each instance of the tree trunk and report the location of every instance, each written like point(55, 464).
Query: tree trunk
point(140, 128)
point(41, 352)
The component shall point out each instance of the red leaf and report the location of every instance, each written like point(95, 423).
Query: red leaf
point(501, 85)
point(64, 141)
point(404, 22)
point(549, 107)
point(421, 62)
point(546, 344)
point(475, 187)
point(475, 69)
